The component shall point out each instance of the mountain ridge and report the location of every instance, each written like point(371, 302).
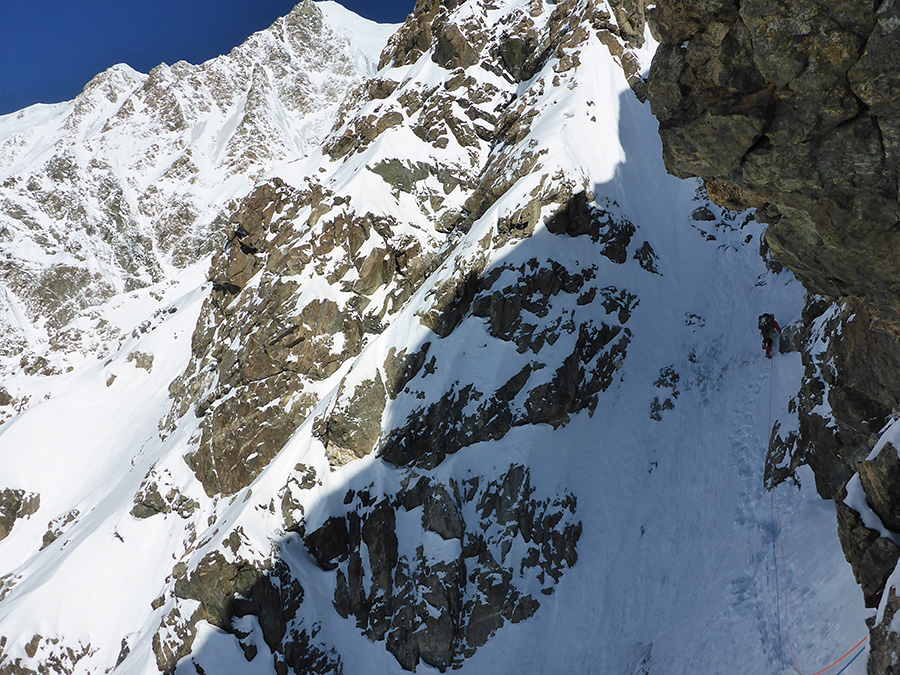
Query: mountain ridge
point(192, 139)
point(418, 413)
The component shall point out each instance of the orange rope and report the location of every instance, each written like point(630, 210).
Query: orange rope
point(787, 621)
point(842, 658)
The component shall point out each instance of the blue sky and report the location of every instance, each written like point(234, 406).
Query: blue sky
point(49, 49)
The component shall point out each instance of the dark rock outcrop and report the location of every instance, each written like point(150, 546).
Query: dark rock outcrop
point(835, 343)
point(157, 495)
point(350, 429)
point(884, 639)
point(464, 580)
point(880, 477)
point(58, 526)
point(519, 305)
point(872, 556)
point(16, 504)
point(234, 595)
point(790, 107)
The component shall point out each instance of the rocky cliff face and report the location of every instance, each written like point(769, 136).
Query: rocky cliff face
point(791, 108)
point(267, 349)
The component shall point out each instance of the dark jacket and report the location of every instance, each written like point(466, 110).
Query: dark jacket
point(768, 325)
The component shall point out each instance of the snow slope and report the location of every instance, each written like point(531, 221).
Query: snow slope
point(678, 562)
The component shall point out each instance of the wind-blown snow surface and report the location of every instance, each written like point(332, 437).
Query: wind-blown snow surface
point(679, 566)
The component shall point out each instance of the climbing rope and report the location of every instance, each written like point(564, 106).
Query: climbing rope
point(852, 660)
point(787, 620)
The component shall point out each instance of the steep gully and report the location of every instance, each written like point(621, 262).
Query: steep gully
point(791, 108)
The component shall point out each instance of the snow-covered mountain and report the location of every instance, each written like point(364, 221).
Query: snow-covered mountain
point(469, 381)
point(124, 186)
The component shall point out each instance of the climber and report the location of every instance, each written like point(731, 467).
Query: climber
point(767, 326)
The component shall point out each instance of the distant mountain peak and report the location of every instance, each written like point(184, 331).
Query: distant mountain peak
point(147, 162)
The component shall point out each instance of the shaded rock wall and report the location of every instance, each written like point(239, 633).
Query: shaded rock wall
point(482, 549)
point(523, 305)
point(775, 104)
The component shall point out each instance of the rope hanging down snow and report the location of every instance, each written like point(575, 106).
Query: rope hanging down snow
point(787, 620)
